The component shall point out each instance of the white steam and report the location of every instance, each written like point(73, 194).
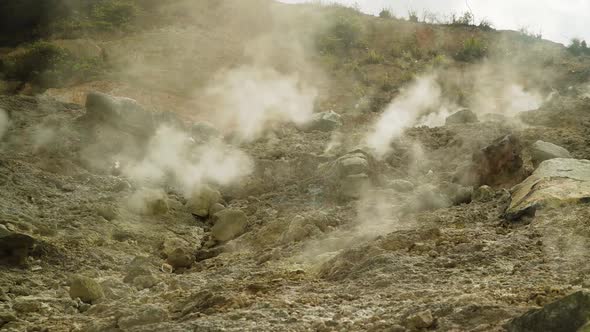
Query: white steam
point(423, 95)
point(4, 122)
point(174, 157)
point(248, 100)
point(508, 100)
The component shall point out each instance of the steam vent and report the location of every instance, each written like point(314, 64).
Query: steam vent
point(261, 165)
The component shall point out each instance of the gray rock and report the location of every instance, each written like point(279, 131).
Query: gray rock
point(541, 151)
point(229, 224)
point(86, 289)
point(203, 200)
point(456, 193)
point(420, 320)
point(484, 194)
point(147, 314)
point(119, 112)
point(499, 163)
point(352, 186)
point(139, 266)
point(349, 174)
point(568, 314)
point(461, 117)
point(27, 304)
point(324, 121)
point(556, 182)
point(427, 198)
point(145, 282)
point(180, 258)
point(402, 186)
point(204, 132)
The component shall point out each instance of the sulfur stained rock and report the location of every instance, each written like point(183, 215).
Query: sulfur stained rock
point(229, 224)
point(85, 288)
point(203, 201)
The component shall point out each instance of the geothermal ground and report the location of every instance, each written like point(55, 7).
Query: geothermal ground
point(301, 249)
point(292, 168)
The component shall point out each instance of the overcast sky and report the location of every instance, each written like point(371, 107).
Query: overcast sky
point(557, 20)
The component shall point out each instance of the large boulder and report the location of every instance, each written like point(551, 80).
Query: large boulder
point(499, 164)
point(14, 247)
point(324, 121)
point(348, 175)
point(119, 112)
point(461, 117)
point(85, 288)
point(229, 224)
point(555, 182)
point(541, 151)
point(204, 201)
point(569, 314)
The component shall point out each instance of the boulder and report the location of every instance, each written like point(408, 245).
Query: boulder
point(14, 247)
point(229, 224)
point(146, 314)
point(203, 201)
point(87, 289)
point(324, 121)
point(349, 174)
point(420, 320)
point(427, 198)
point(122, 113)
point(147, 201)
point(484, 194)
point(402, 186)
point(541, 151)
point(457, 194)
point(499, 164)
point(556, 182)
point(461, 117)
point(204, 132)
point(568, 314)
point(138, 267)
point(180, 258)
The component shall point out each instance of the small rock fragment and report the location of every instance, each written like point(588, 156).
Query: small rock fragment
point(421, 320)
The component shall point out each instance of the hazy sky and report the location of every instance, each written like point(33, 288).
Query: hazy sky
point(557, 20)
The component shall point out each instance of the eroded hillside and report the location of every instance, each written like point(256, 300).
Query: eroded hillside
point(292, 168)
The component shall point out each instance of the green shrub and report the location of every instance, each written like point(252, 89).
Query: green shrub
point(110, 14)
point(343, 34)
point(47, 65)
point(385, 13)
point(413, 16)
point(373, 57)
point(465, 19)
point(578, 47)
point(29, 63)
point(473, 49)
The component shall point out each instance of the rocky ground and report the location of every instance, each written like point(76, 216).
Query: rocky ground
point(295, 246)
